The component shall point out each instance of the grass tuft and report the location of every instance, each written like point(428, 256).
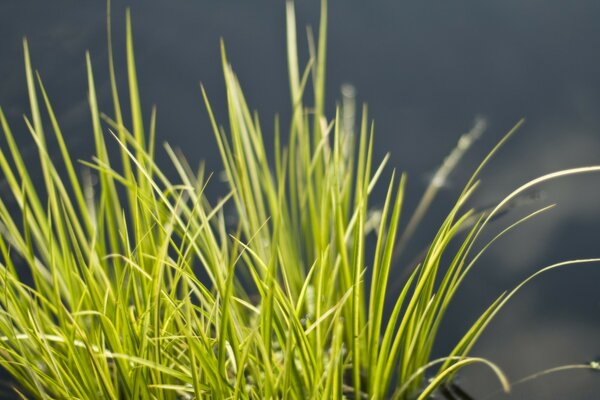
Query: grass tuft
point(100, 295)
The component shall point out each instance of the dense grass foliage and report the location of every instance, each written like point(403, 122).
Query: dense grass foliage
point(99, 288)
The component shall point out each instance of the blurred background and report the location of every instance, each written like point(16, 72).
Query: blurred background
point(426, 69)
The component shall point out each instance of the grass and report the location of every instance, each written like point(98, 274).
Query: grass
point(100, 295)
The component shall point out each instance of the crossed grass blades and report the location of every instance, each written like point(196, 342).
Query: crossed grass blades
point(99, 288)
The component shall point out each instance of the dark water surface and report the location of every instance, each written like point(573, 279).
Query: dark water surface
point(426, 68)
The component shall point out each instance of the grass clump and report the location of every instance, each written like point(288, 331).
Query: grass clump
point(99, 288)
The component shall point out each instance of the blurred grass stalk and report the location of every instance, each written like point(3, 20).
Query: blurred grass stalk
point(114, 307)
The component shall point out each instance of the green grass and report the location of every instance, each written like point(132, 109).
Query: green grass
point(115, 309)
